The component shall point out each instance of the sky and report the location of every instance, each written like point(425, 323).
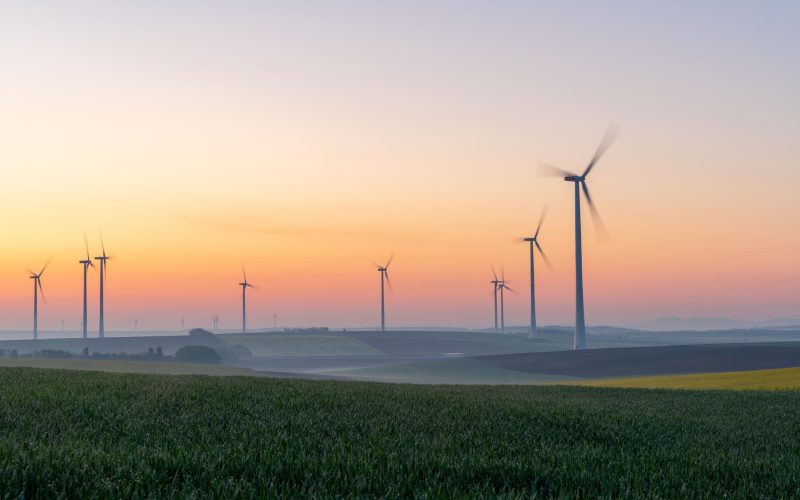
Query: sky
point(307, 140)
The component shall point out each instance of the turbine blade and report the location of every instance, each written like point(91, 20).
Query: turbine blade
point(244, 275)
point(102, 244)
point(510, 289)
point(44, 267)
point(547, 170)
point(391, 257)
point(541, 252)
point(494, 273)
point(608, 139)
point(41, 290)
point(599, 226)
point(86, 243)
point(388, 281)
point(545, 209)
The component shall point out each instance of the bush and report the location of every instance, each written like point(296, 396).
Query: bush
point(197, 354)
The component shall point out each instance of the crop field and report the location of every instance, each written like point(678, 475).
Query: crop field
point(784, 379)
point(301, 344)
point(91, 434)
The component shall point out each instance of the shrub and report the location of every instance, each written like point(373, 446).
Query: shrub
point(197, 354)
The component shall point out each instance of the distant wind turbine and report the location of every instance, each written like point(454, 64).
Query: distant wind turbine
point(502, 286)
point(384, 270)
point(579, 341)
point(533, 241)
point(87, 262)
point(37, 288)
point(495, 282)
point(245, 285)
point(101, 332)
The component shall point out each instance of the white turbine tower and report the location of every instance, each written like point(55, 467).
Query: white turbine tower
point(533, 241)
point(87, 262)
point(495, 285)
point(502, 286)
point(384, 270)
point(245, 285)
point(101, 332)
point(37, 288)
point(579, 341)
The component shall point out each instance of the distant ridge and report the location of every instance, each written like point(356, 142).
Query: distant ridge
point(675, 323)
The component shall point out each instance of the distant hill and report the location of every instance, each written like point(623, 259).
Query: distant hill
point(675, 323)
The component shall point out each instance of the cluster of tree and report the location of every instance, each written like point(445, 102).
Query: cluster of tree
point(315, 329)
point(152, 354)
point(185, 354)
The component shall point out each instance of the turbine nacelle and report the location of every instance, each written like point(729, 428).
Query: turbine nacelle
point(575, 178)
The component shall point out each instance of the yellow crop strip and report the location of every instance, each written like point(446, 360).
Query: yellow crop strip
point(783, 379)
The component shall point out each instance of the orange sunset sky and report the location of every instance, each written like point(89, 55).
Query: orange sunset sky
point(307, 141)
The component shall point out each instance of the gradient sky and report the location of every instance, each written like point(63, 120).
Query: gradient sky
point(308, 139)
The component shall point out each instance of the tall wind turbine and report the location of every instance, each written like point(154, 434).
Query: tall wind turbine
point(495, 283)
point(533, 241)
point(502, 286)
point(245, 285)
point(87, 262)
point(101, 332)
point(384, 270)
point(37, 287)
point(579, 341)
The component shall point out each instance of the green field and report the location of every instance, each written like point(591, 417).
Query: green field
point(783, 379)
point(92, 434)
point(300, 344)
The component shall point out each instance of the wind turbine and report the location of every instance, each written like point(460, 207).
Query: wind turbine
point(384, 270)
point(87, 262)
point(245, 285)
point(502, 286)
point(495, 282)
point(579, 341)
point(37, 287)
point(101, 332)
point(533, 241)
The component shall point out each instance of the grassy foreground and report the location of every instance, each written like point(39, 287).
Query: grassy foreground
point(783, 379)
point(89, 434)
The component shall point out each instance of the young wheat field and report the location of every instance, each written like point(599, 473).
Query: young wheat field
point(92, 434)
